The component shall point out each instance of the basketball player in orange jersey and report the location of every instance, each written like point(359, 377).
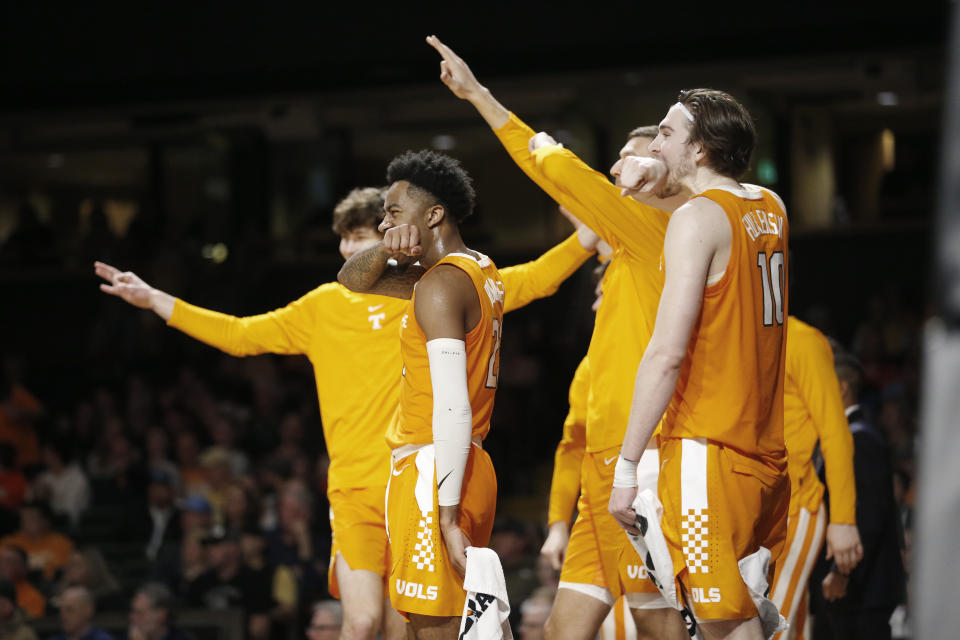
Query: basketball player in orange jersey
point(443, 490)
point(342, 333)
point(599, 560)
point(714, 369)
point(813, 412)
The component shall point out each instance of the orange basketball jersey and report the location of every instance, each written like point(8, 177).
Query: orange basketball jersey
point(730, 388)
point(413, 421)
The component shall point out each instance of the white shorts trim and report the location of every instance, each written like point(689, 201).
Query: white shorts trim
point(597, 593)
point(646, 601)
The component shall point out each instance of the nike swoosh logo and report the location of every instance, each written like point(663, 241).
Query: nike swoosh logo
point(397, 472)
point(371, 309)
point(609, 460)
point(444, 478)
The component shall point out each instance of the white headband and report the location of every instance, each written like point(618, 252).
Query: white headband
point(685, 111)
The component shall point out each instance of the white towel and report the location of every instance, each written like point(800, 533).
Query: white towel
point(487, 608)
point(652, 547)
point(753, 570)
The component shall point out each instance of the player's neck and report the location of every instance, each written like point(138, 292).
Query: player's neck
point(705, 178)
point(445, 240)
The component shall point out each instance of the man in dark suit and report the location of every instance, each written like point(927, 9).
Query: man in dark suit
point(860, 604)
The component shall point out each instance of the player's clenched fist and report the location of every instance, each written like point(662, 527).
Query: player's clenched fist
point(639, 174)
point(403, 239)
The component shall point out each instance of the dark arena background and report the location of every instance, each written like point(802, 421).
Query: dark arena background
point(204, 147)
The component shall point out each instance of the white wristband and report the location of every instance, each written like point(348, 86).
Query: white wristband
point(625, 474)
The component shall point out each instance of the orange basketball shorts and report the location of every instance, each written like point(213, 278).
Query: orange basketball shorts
point(600, 561)
point(422, 580)
point(719, 506)
point(359, 532)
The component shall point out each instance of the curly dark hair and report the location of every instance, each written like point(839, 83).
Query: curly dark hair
point(438, 175)
point(724, 127)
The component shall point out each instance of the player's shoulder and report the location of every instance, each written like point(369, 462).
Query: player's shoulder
point(697, 218)
point(444, 282)
point(768, 192)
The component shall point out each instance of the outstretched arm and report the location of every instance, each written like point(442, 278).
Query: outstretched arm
point(128, 286)
point(387, 267)
point(286, 330)
point(688, 251)
point(455, 73)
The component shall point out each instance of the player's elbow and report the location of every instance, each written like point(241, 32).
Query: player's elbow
point(351, 281)
point(667, 359)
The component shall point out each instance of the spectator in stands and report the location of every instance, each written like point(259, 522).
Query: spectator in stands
point(46, 549)
point(178, 563)
point(282, 581)
point(13, 626)
point(293, 544)
point(218, 476)
point(240, 510)
point(860, 604)
point(229, 584)
point(13, 569)
point(18, 411)
point(88, 568)
point(534, 613)
point(152, 615)
point(76, 616)
point(325, 621)
point(157, 443)
point(165, 523)
point(63, 483)
point(224, 437)
point(512, 541)
point(125, 484)
point(188, 459)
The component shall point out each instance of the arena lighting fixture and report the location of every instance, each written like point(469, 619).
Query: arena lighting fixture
point(888, 99)
point(216, 253)
point(444, 142)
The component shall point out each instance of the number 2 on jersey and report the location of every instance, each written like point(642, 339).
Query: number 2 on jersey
point(772, 282)
point(493, 368)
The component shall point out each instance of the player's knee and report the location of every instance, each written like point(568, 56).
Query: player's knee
point(360, 626)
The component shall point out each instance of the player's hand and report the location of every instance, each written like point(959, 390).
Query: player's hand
point(639, 174)
point(403, 239)
point(456, 542)
point(124, 284)
point(542, 139)
point(555, 546)
point(843, 546)
point(835, 586)
point(588, 239)
point(621, 508)
point(454, 72)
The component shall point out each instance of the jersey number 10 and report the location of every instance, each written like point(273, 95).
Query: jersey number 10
point(772, 282)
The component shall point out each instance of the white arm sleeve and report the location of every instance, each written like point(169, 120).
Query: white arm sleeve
point(452, 415)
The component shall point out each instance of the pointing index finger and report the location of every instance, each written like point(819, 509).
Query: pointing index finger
point(441, 48)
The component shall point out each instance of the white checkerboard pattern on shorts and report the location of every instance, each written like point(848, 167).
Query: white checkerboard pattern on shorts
point(423, 551)
point(693, 535)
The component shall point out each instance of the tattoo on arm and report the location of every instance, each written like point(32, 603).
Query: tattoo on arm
point(369, 272)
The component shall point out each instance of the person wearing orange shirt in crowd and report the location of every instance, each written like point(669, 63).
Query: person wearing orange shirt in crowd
point(443, 489)
point(600, 565)
point(46, 549)
point(13, 567)
point(813, 412)
point(342, 332)
point(18, 410)
point(714, 373)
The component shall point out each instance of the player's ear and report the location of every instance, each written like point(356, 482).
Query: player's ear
point(435, 215)
point(699, 153)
